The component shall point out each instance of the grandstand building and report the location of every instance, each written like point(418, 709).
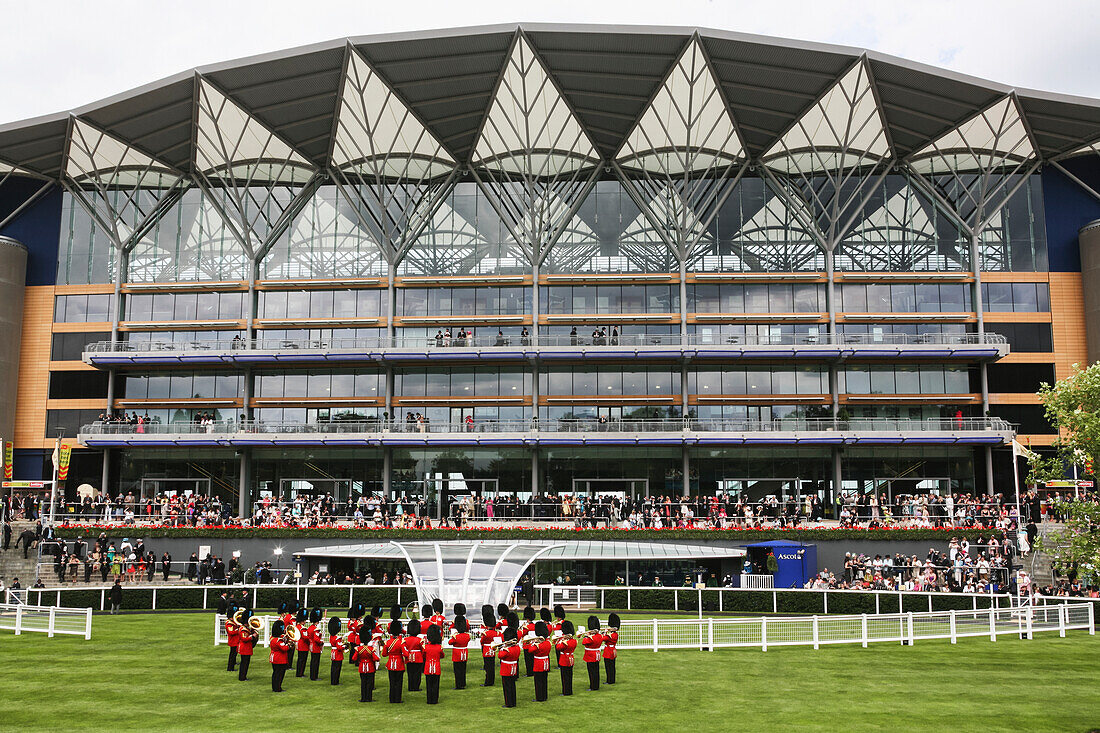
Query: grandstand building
point(551, 259)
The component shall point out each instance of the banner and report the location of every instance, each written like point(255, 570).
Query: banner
point(9, 450)
point(63, 463)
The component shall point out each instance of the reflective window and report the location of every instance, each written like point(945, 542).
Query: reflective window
point(83, 308)
point(1017, 297)
point(904, 298)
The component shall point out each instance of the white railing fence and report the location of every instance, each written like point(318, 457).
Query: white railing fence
point(17, 597)
point(50, 620)
point(904, 628)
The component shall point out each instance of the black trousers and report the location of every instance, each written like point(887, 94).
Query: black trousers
point(541, 692)
point(432, 683)
point(609, 666)
point(303, 658)
point(334, 672)
point(366, 687)
point(232, 659)
point(314, 665)
point(593, 675)
point(460, 675)
point(509, 685)
point(415, 670)
point(246, 659)
point(290, 658)
point(529, 663)
point(277, 673)
point(490, 670)
point(566, 680)
point(396, 679)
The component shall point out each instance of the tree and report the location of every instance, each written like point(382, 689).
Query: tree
point(1072, 406)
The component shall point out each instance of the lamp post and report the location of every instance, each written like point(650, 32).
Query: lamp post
point(278, 553)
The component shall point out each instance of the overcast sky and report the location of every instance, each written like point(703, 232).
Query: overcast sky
point(55, 56)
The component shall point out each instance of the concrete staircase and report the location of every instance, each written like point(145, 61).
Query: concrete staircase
point(1038, 562)
point(12, 565)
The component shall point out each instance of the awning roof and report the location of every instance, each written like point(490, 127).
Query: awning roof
point(558, 549)
point(607, 75)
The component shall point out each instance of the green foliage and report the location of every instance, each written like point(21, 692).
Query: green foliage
point(1078, 542)
point(1072, 405)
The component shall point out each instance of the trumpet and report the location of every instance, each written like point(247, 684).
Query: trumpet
point(507, 644)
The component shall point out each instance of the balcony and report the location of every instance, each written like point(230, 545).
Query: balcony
point(816, 431)
point(968, 346)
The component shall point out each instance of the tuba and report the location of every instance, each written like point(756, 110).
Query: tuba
point(256, 624)
point(292, 634)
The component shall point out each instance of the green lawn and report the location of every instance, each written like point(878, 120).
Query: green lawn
point(162, 672)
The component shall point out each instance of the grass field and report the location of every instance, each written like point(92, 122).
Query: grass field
point(162, 672)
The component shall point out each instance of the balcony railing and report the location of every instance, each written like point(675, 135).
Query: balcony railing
point(549, 341)
point(687, 430)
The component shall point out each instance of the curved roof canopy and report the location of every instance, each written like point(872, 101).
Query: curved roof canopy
point(534, 97)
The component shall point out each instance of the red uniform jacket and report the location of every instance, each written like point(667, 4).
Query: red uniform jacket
point(438, 620)
point(527, 628)
point(565, 648)
point(366, 656)
point(316, 643)
point(609, 641)
point(433, 653)
point(414, 649)
point(459, 652)
point(288, 619)
point(279, 648)
point(592, 644)
point(394, 651)
point(509, 660)
point(487, 636)
point(247, 641)
point(233, 632)
point(337, 648)
point(303, 640)
point(541, 651)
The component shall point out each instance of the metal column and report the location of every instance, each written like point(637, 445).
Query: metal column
point(244, 490)
point(686, 468)
point(387, 472)
point(838, 478)
point(534, 471)
point(105, 474)
point(535, 303)
point(989, 468)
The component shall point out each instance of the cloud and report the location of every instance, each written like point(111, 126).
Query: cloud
point(58, 56)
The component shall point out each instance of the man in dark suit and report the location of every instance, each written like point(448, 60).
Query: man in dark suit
point(27, 538)
point(165, 564)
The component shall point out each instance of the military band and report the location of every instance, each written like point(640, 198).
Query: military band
point(418, 647)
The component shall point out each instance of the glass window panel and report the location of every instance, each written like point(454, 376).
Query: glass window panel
point(931, 380)
point(186, 306)
point(180, 387)
point(735, 381)
point(294, 385)
point(903, 298)
point(270, 385)
point(956, 380)
point(227, 385)
point(206, 306)
point(367, 384)
point(273, 304)
point(662, 382)
point(486, 383)
point(807, 299)
point(928, 297)
point(584, 299)
point(139, 307)
point(320, 304)
point(882, 380)
point(1024, 297)
point(659, 299)
point(158, 386)
point(344, 303)
point(998, 296)
point(954, 298)
point(780, 298)
point(297, 304)
point(707, 381)
point(1042, 291)
point(857, 380)
point(853, 298)
point(878, 298)
point(733, 299)
point(609, 381)
point(511, 383)
point(463, 301)
point(632, 299)
point(202, 386)
point(437, 382)
point(163, 306)
point(560, 382)
point(318, 385)
point(808, 380)
point(907, 380)
point(783, 381)
point(756, 299)
point(758, 381)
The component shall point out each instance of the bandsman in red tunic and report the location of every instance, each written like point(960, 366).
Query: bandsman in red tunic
point(279, 648)
point(286, 615)
point(433, 662)
point(460, 643)
point(438, 619)
point(592, 641)
point(528, 629)
point(565, 646)
point(610, 639)
point(366, 658)
point(248, 637)
point(336, 648)
point(539, 648)
point(502, 616)
point(316, 643)
point(414, 654)
point(555, 630)
point(233, 636)
point(509, 654)
point(355, 620)
point(393, 649)
point(488, 636)
point(302, 644)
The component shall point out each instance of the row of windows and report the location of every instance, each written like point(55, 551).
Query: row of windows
point(611, 298)
point(756, 298)
point(487, 301)
point(904, 298)
point(176, 386)
point(322, 303)
point(913, 379)
point(1017, 297)
point(185, 306)
point(759, 380)
point(1033, 337)
point(364, 384)
point(83, 308)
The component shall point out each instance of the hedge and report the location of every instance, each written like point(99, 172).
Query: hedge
point(738, 535)
point(190, 597)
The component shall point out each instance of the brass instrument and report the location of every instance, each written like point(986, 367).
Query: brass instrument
point(255, 623)
point(507, 644)
point(233, 623)
point(292, 634)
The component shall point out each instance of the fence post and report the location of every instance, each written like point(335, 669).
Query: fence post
point(863, 625)
point(351, 595)
point(654, 634)
point(102, 599)
point(305, 602)
point(217, 628)
point(18, 620)
point(58, 604)
point(204, 598)
point(929, 603)
point(1092, 618)
point(909, 623)
point(775, 601)
point(1030, 614)
point(974, 598)
point(700, 607)
point(825, 605)
point(721, 593)
point(954, 640)
point(816, 646)
point(992, 623)
point(603, 604)
point(1063, 611)
point(877, 597)
point(763, 633)
point(53, 622)
point(675, 600)
point(398, 595)
point(710, 634)
point(87, 624)
point(628, 599)
point(154, 599)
